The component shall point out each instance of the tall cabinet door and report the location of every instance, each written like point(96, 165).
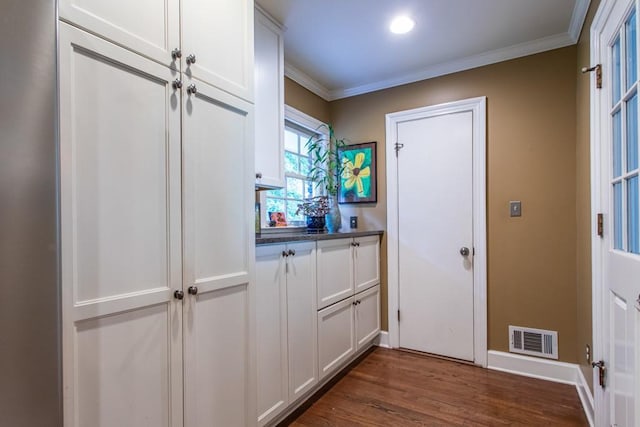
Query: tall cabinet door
point(148, 27)
point(120, 234)
point(218, 258)
point(366, 261)
point(302, 319)
point(219, 35)
point(271, 332)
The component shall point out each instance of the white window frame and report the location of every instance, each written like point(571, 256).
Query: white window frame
point(308, 123)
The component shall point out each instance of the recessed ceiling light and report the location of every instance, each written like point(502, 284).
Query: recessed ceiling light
point(401, 25)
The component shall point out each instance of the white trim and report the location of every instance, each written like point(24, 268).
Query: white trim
point(597, 267)
point(306, 121)
point(306, 81)
point(478, 108)
point(545, 369)
point(382, 340)
point(586, 398)
point(577, 19)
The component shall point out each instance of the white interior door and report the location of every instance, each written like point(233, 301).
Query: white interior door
point(435, 221)
point(617, 254)
point(436, 229)
point(121, 234)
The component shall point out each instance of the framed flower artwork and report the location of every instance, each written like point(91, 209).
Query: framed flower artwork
point(357, 183)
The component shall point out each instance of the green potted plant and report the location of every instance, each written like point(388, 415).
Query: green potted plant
point(326, 168)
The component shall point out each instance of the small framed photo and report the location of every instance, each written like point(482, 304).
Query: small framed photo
point(357, 182)
point(278, 219)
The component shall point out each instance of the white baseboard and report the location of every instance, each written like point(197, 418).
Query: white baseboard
point(383, 340)
point(544, 369)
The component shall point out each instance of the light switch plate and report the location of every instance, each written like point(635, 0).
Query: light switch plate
point(515, 208)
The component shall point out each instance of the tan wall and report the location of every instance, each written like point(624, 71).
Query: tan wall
point(306, 101)
point(583, 200)
point(531, 156)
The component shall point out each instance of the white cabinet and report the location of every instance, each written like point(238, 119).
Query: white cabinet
point(347, 266)
point(217, 35)
point(157, 214)
point(269, 102)
point(345, 327)
point(120, 233)
point(286, 325)
point(218, 253)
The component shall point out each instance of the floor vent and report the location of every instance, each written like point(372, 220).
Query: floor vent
point(533, 342)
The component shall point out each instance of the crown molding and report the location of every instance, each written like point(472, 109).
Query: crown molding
point(577, 19)
point(470, 62)
point(512, 52)
point(307, 82)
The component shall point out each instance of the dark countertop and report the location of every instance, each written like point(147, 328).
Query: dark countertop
point(297, 236)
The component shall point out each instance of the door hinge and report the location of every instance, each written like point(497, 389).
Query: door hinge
point(398, 315)
point(598, 69)
point(600, 224)
point(397, 146)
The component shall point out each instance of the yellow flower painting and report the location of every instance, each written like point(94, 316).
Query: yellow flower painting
point(358, 179)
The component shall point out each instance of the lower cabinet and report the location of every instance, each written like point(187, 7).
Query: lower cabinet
point(286, 325)
point(345, 327)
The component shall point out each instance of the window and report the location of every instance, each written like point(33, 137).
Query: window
point(297, 164)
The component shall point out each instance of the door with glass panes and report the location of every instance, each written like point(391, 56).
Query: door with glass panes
point(615, 180)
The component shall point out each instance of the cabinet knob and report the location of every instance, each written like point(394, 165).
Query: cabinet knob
point(192, 89)
point(178, 295)
point(291, 252)
point(285, 254)
point(191, 59)
point(176, 53)
point(464, 251)
point(193, 290)
point(177, 84)
point(258, 175)
point(354, 303)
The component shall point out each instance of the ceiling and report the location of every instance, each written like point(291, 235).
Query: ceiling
point(341, 48)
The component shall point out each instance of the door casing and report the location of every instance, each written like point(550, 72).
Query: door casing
point(478, 107)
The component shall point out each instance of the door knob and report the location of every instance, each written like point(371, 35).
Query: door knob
point(178, 294)
point(191, 59)
point(464, 251)
point(193, 290)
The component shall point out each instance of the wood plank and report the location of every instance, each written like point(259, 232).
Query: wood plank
point(395, 388)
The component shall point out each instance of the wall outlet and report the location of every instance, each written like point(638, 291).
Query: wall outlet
point(353, 222)
point(587, 353)
point(515, 208)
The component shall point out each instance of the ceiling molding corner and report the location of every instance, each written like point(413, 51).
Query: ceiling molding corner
point(577, 19)
point(512, 52)
point(306, 81)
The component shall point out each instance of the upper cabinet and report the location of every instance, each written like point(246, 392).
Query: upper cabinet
point(217, 44)
point(211, 40)
point(269, 102)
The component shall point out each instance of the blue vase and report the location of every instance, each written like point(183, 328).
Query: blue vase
point(334, 218)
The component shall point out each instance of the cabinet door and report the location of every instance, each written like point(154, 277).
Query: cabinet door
point(366, 262)
point(120, 236)
point(302, 318)
point(271, 332)
point(335, 271)
point(336, 342)
point(219, 33)
point(218, 258)
point(367, 316)
point(148, 27)
point(269, 103)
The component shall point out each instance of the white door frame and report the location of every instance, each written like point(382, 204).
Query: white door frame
point(597, 244)
point(478, 108)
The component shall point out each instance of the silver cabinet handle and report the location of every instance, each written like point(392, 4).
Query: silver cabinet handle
point(191, 59)
point(178, 295)
point(285, 254)
point(258, 175)
point(176, 53)
point(464, 251)
point(192, 89)
point(177, 84)
point(291, 252)
point(193, 290)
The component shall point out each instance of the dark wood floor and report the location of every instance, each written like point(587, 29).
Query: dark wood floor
point(395, 388)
